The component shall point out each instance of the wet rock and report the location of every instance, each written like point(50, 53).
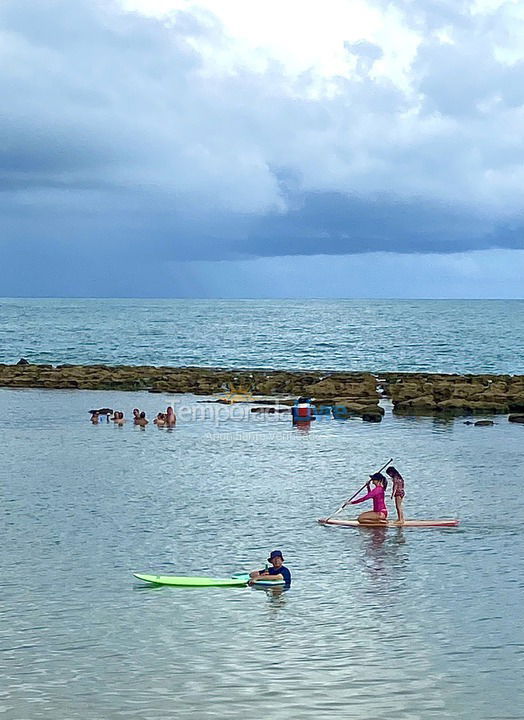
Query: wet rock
point(23, 361)
point(516, 403)
point(516, 418)
point(484, 423)
point(372, 417)
point(425, 393)
point(423, 402)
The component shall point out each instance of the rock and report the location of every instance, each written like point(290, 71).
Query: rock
point(372, 417)
point(422, 403)
point(341, 410)
point(23, 361)
point(516, 418)
point(484, 423)
point(373, 409)
point(516, 404)
point(442, 394)
point(467, 422)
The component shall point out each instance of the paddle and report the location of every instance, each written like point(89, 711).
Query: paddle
point(358, 491)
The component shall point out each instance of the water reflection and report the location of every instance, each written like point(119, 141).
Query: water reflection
point(302, 428)
point(276, 597)
point(381, 546)
point(419, 610)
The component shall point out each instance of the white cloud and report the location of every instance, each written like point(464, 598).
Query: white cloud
point(300, 37)
point(238, 129)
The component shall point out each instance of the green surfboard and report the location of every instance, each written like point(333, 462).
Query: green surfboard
point(185, 581)
point(238, 580)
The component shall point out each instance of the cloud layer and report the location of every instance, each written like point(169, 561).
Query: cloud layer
point(125, 144)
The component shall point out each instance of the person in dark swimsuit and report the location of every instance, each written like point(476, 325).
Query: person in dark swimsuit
point(278, 569)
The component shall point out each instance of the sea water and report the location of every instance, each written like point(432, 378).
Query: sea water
point(401, 624)
point(471, 336)
point(408, 624)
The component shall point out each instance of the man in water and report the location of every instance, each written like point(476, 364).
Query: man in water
point(278, 571)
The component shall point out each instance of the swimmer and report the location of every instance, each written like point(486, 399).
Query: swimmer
point(95, 418)
point(160, 420)
point(136, 416)
point(278, 571)
point(170, 417)
point(142, 420)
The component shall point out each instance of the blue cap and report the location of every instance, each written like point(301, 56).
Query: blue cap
point(274, 554)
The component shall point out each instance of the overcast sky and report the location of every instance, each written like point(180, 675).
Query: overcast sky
point(278, 148)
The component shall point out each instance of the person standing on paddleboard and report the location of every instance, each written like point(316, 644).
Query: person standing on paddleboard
point(379, 514)
point(397, 491)
point(278, 569)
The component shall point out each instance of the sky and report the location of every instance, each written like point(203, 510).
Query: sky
point(226, 148)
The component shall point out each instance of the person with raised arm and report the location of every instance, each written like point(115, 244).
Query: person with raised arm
point(379, 514)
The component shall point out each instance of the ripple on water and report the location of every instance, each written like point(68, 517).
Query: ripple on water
point(378, 623)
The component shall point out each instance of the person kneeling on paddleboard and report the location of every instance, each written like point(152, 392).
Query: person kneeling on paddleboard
point(278, 569)
point(379, 514)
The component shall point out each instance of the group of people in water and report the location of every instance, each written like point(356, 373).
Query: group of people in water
point(167, 419)
point(379, 514)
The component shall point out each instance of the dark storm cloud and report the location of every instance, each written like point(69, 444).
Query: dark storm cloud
point(121, 150)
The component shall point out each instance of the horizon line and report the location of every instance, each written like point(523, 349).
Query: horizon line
point(244, 299)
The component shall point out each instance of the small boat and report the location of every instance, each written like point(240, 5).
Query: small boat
point(390, 524)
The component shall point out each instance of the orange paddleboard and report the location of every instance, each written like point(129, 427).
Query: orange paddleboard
point(389, 524)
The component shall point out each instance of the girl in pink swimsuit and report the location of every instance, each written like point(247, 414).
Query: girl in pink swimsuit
point(398, 491)
point(379, 513)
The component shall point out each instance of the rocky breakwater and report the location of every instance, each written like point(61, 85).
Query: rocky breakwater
point(346, 395)
point(430, 394)
point(342, 394)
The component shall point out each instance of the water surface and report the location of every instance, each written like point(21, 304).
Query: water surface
point(376, 335)
point(400, 624)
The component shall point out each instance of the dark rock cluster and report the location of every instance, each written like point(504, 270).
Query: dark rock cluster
point(430, 394)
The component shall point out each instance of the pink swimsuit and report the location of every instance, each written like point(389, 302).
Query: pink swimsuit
point(398, 487)
point(379, 503)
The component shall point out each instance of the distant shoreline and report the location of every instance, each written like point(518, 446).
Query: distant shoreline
point(358, 392)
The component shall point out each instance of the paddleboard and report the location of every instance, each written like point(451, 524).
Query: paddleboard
point(185, 581)
point(263, 581)
point(390, 523)
point(239, 580)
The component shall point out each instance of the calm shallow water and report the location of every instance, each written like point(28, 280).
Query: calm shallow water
point(377, 335)
point(405, 624)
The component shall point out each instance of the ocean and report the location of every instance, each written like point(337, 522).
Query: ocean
point(403, 624)
point(469, 336)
